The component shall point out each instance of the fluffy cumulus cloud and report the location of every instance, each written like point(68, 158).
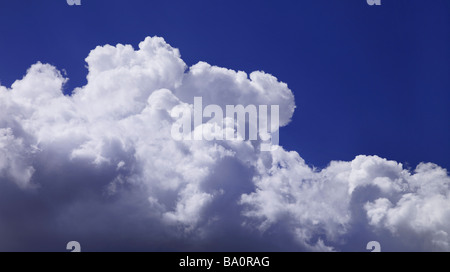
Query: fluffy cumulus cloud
point(102, 167)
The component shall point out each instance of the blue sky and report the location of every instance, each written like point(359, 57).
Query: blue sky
point(367, 79)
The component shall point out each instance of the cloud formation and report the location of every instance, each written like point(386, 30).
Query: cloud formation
point(100, 166)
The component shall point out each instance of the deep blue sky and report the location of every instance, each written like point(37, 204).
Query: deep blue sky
point(371, 80)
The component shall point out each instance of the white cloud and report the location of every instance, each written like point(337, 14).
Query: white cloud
point(13, 159)
point(102, 165)
point(422, 209)
point(314, 203)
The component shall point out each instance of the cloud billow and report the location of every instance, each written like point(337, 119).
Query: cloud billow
point(100, 167)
